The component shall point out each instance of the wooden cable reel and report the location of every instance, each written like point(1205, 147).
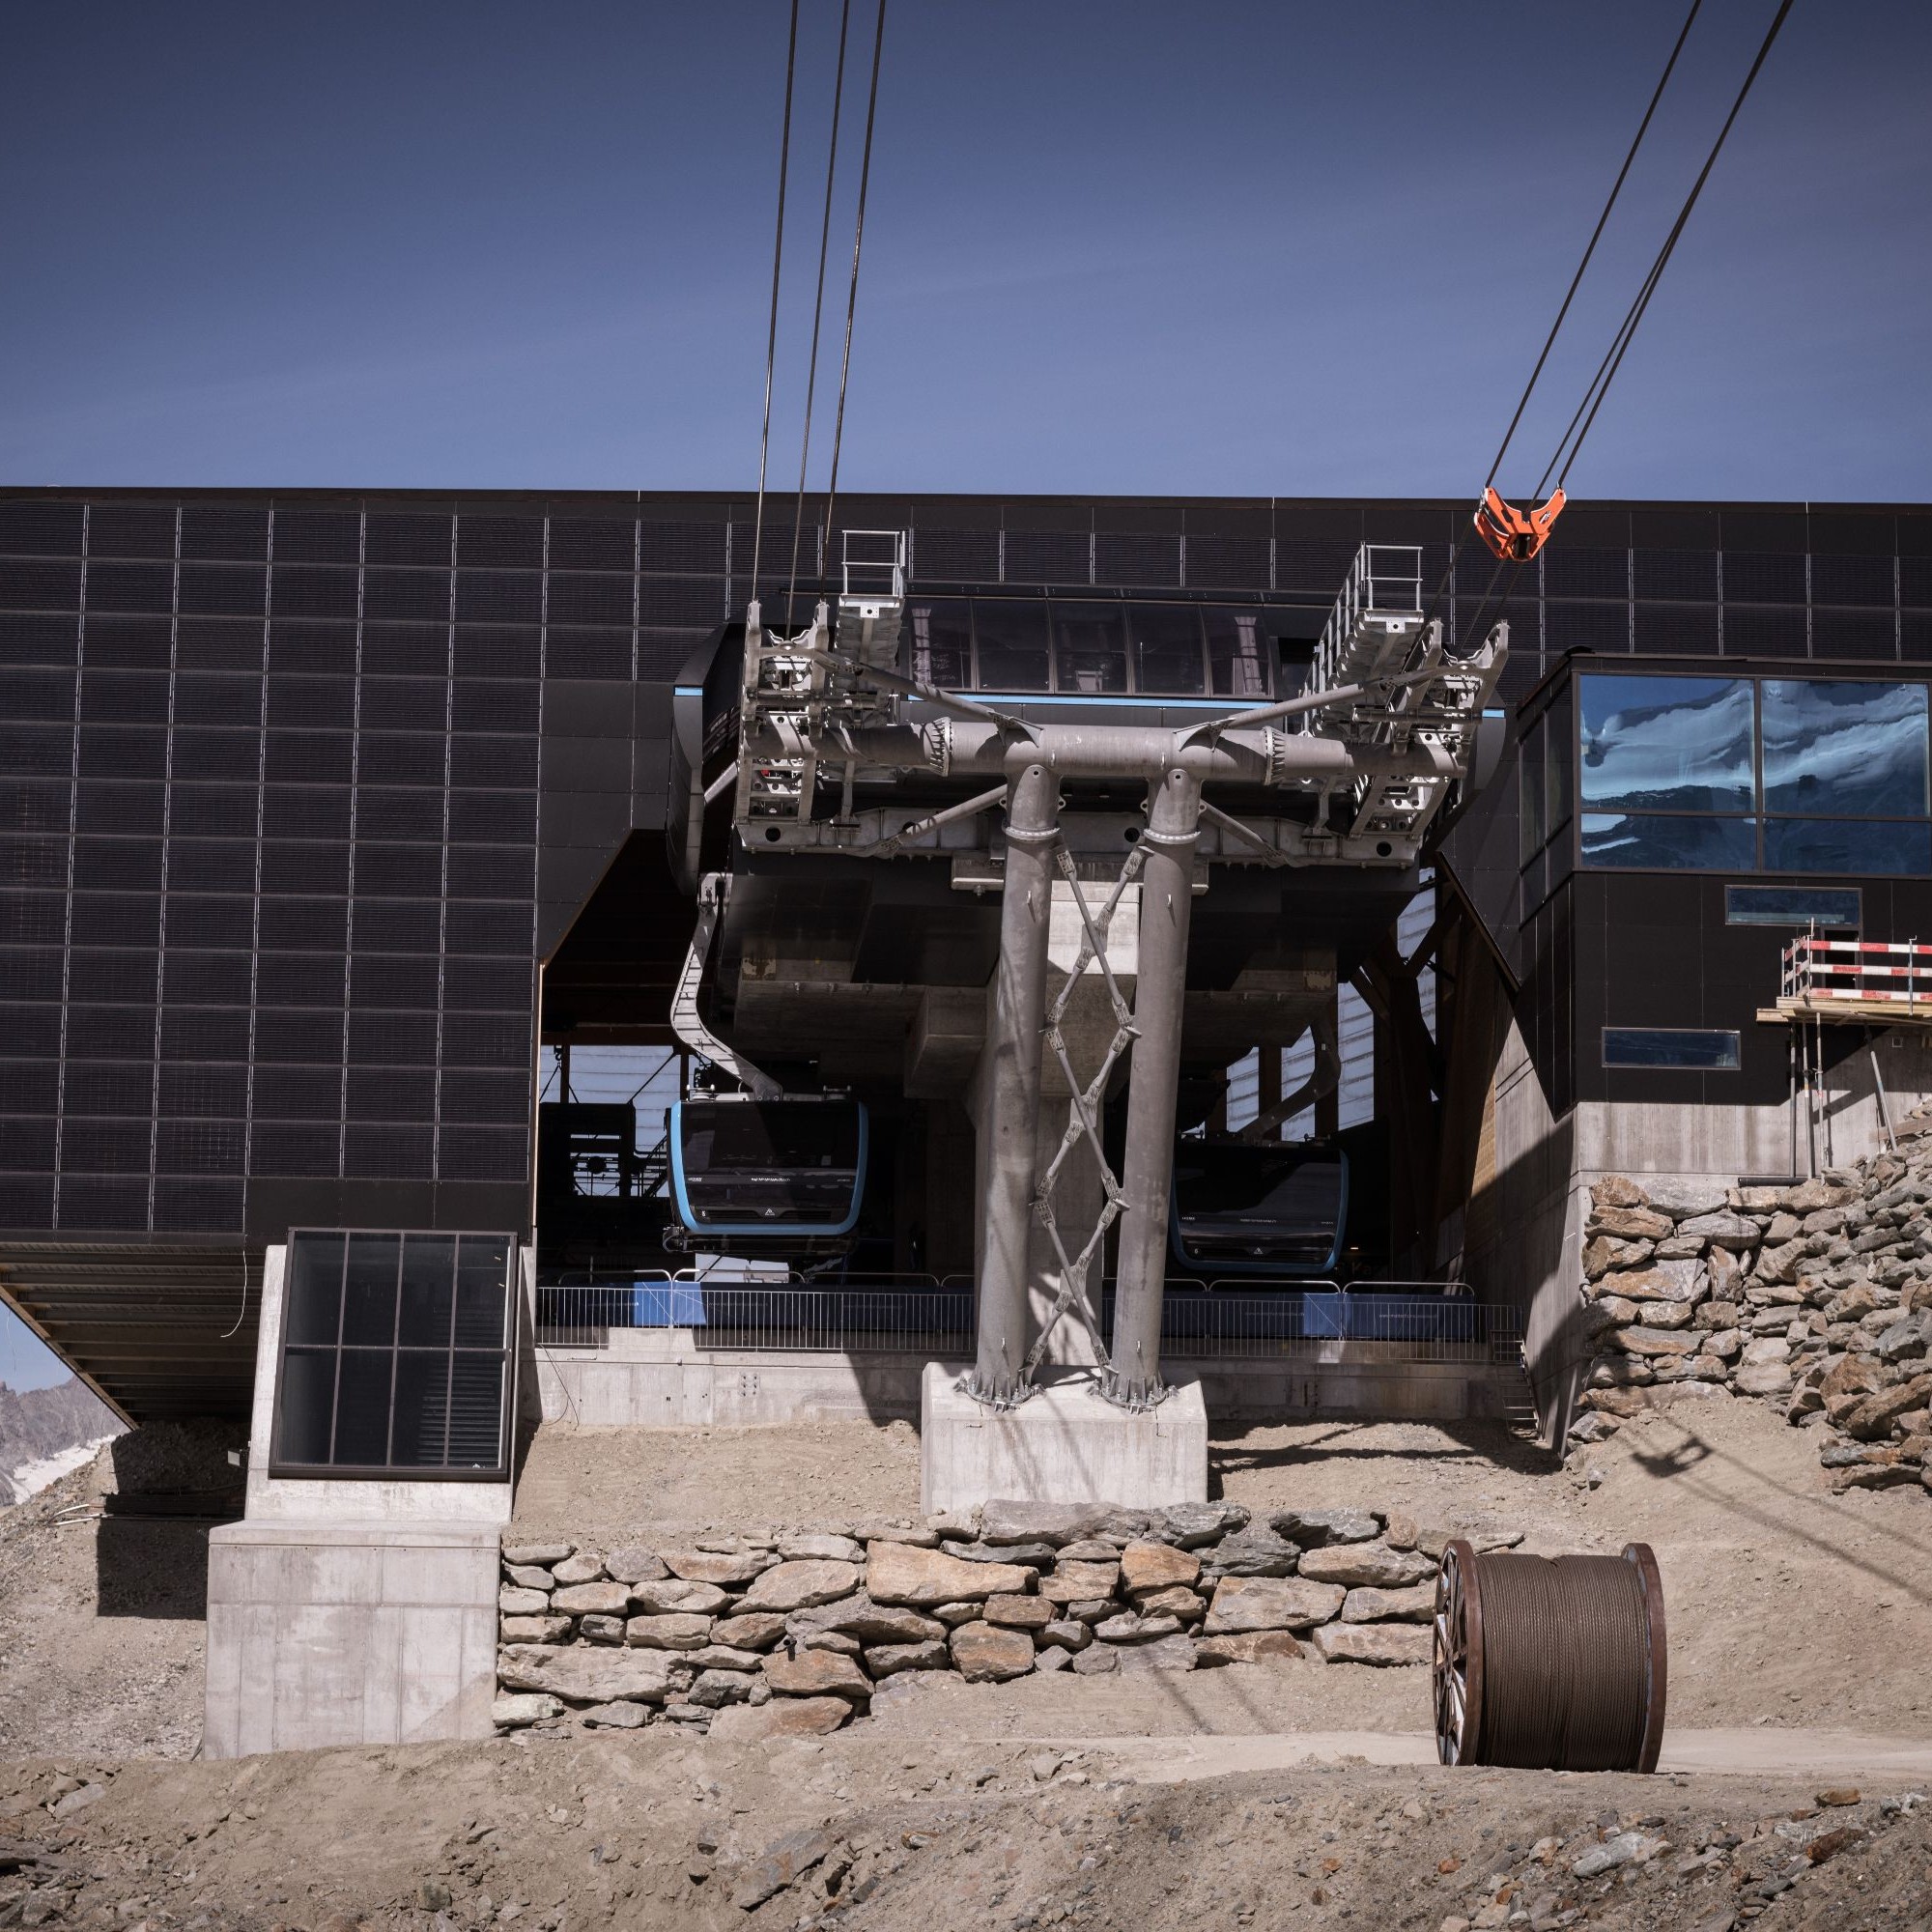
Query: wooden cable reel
point(1549, 1664)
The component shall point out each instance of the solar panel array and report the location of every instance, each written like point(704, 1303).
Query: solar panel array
point(273, 799)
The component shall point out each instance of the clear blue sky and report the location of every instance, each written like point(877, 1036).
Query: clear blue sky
point(1245, 248)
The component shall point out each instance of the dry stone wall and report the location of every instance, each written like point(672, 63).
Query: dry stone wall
point(1816, 1297)
point(795, 1633)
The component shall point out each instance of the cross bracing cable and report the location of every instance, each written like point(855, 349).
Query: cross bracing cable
point(852, 293)
point(818, 310)
point(772, 332)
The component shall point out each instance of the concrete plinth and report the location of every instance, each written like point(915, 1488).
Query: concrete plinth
point(347, 1633)
point(1064, 1445)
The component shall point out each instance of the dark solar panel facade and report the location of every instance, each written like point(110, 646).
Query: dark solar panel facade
point(296, 790)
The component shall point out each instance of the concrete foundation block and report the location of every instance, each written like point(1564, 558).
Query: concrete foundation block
point(342, 1634)
point(1064, 1445)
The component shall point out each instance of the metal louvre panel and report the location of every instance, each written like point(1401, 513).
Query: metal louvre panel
point(1047, 556)
point(116, 918)
point(506, 542)
point(1852, 580)
point(230, 698)
point(309, 757)
point(238, 531)
point(198, 811)
point(1753, 577)
point(217, 643)
point(41, 586)
point(1137, 559)
point(404, 705)
point(134, 808)
point(392, 1094)
point(494, 817)
point(202, 1207)
point(1854, 634)
point(406, 650)
point(493, 761)
point(110, 1088)
point(125, 643)
point(36, 750)
point(119, 977)
point(33, 1086)
point(1687, 629)
point(681, 600)
point(40, 864)
point(373, 1152)
point(486, 1040)
point(316, 536)
point(310, 644)
point(29, 1032)
point(1916, 637)
point(209, 923)
point(41, 637)
point(105, 1147)
point(592, 654)
point(27, 1147)
point(955, 557)
point(204, 1034)
point(663, 654)
point(408, 537)
point(1682, 574)
point(489, 1100)
point(485, 928)
point(488, 986)
point(1228, 562)
point(395, 757)
point(296, 924)
point(29, 528)
point(43, 696)
point(389, 1040)
point(130, 587)
point(483, 1154)
point(33, 918)
point(204, 1092)
point(123, 751)
point(200, 1147)
point(93, 1202)
point(393, 980)
point(499, 597)
point(493, 872)
point(206, 979)
point(130, 530)
point(1765, 630)
point(29, 805)
point(305, 811)
point(308, 702)
point(312, 590)
point(123, 697)
point(277, 1148)
point(585, 599)
point(289, 867)
point(590, 543)
point(1321, 567)
point(1590, 627)
point(388, 815)
point(301, 1037)
point(222, 589)
point(495, 704)
point(396, 925)
point(110, 864)
point(497, 650)
point(26, 1203)
point(30, 973)
point(297, 1093)
point(682, 547)
point(299, 979)
point(398, 872)
point(207, 751)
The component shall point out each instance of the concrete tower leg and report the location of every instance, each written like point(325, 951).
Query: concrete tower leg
point(1013, 1085)
point(1167, 903)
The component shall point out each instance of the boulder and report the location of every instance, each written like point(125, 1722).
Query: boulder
point(1057, 1523)
point(672, 1596)
point(528, 1575)
point(1048, 1660)
point(616, 1717)
point(799, 1586)
point(1029, 1614)
point(512, 1602)
point(860, 1616)
point(1416, 1605)
point(1177, 1600)
point(897, 1572)
point(986, 1654)
point(534, 1630)
point(1616, 1190)
point(585, 1566)
point(1079, 1583)
point(1130, 1627)
point(817, 1673)
point(1271, 1603)
point(723, 1657)
point(1374, 1565)
point(1156, 1566)
point(715, 1689)
point(1777, 1267)
point(823, 1546)
point(1250, 1552)
point(1724, 1227)
point(518, 1708)
point(669, 1632)
point(1834, 1188)
point(591, 1675)
point(889, 1660)
point(1631, 1224)
point(1664, 1281)
point(1605, 1252)
point(1067, 1633)
point(601, 1628)
point(602, 1600)
point(781, 1717)
point(545, 1553)
point(1375, 1643)
point(757, 1630)
point(1315, 1528)
point(715, 1566)
point(1167, 1653)
point(1873, 1415)
point(1189, 1525)
point(1097, 1661)
point(1685, 1199)
point(1029, 1555)
point(1646, 1341)
point(634, 1565)
point(1247, 1647)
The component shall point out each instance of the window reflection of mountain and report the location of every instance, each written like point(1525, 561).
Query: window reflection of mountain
point(1671, 744)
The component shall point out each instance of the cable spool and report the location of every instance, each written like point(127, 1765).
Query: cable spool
point(1549, 1664)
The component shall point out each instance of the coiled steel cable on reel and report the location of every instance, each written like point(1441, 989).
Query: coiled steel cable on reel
point(1549, 1664)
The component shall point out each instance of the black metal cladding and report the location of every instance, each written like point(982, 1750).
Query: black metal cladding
point(294, 790)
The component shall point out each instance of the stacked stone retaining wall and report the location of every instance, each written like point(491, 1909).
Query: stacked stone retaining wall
point(1815, 1297)
point(795, 1633)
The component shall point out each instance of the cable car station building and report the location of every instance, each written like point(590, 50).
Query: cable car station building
point(958, 886)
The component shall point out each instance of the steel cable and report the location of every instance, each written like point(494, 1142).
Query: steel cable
point(772, 332)
point(817, 307)
point(1566, 1662)
point(852, 295)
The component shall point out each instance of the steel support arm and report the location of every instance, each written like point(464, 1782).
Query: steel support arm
point(1010, 1096)
point(1167, 903)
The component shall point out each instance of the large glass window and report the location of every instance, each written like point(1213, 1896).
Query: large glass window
point(1237, 651)
point(1165, 640)
point(1844, 750)
point(1666, 744)
point(395, 1354)
point(1713, 1050)
point(1786, 774)
point(1799, 906)
point(1089, 648)
point(1012, 644)
point(942, 642)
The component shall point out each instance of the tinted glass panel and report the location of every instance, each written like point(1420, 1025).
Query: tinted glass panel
point(1656, 843)
point(369, 1293)
point(308, 1404)
point(1666, 744)
point(1712, 1052)
point(1848, 845)
point(362, 1409)
point(1238, 652)
point(1012, 646)
point(476, 1411)
point(1089, 648)
point(422, 1409)
point(1238, 1204)
point(1844, 750)
point(482, 1273)
point(1531, 820)
point(942, 642)
point(429, 1266)
point(315, 1290)
point(1793, 906)
point(1165, 640)
point(787, 1163)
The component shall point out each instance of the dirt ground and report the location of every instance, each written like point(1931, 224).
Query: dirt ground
point(941, 1833)
point(1145, 1800)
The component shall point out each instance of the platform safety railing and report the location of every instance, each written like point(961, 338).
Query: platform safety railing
point(873, 563)
point(933, 1318)
point(1852, 973)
